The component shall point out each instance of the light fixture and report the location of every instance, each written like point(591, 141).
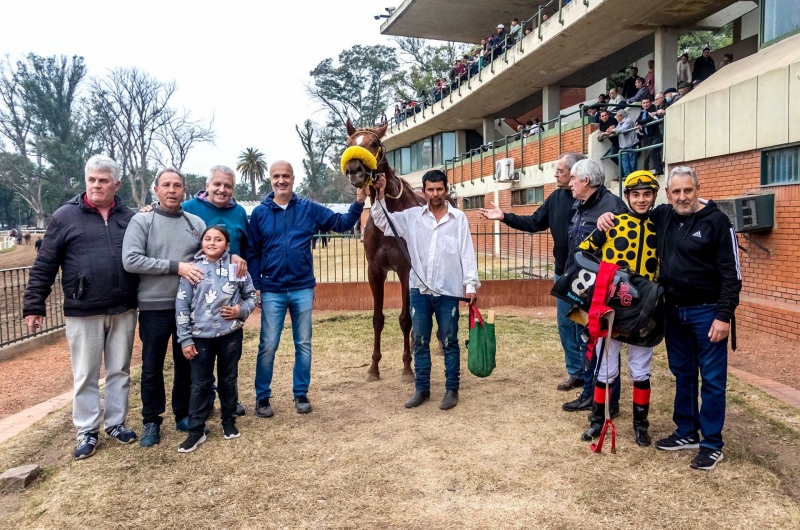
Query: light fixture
point(378, 17)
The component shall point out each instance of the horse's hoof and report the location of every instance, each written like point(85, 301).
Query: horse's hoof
point(373, 377)
point(407, 378)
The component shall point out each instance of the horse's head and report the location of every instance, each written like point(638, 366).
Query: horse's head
point(363, 155)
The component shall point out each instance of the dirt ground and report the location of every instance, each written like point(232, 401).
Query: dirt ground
point(22, 256)
point(506, 457)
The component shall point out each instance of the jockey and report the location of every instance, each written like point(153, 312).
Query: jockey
point(632, 244)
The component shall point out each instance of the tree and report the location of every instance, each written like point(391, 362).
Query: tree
point(694, 41)
point(253, 167)
point(425, 63)
point(15, 115)
point(20, 175)
point(243, 192)
point(134, 109)
point(317, 142)
point(358, 87)
point(194, 184)
point(179, 135)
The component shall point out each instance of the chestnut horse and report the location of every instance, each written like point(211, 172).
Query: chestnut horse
point(383, 252)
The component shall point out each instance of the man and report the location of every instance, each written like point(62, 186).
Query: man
point(38, 245)
point(701, 276)
point(683, 89)
point(554, 215)
point(651, 135)
point(650, 77)
point(608, 125)
point(628, 139)
point(631, 228)
point(592, 199)
point(629, 87)
point(280, 262)
point(613, 97)
point(641, 92)
point(440, 245)
point(516, 29)
point(217, 207)
point(704, 66)
point(84, 238)
point(684, 69)
point(726, 59)
point(159, 246)
point(502, 41)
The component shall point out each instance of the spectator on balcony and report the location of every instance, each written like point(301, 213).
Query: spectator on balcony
point(650, 135)
point(661, 105)
point(554, 215)
point(726, 59)
point(84, 239)
point(650, 77)
point(502, 41)
point(398, 117)
point(628, 139)
point(684, 69)
point(384, 119)
point(608, 125)
point(461, 70)
point(515, 31)
point(528, 30)
point(437, 91)
point(613, 97)
point(704, 66)
point(641, 92)
point(532, 127)
point(520, 131)
point(629, 88)
point(683, 89)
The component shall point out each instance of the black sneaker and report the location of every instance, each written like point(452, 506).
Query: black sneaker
point(87, 445)
point(240, 409)
point(229, 431)
point(673, 443)
point(264, 409)
point(706, 459)
point(191, 442)
point(580, 403)
point(121, 434)
point(302, 404)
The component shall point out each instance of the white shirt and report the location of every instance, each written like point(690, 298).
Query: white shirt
point(441, 252)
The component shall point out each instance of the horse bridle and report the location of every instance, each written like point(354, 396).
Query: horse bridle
point(373, 175)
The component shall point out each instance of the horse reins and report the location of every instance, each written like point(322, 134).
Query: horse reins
point(373, 174)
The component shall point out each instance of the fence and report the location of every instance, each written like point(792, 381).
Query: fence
point(7, 243)
point(12, 326)
point(502, 255)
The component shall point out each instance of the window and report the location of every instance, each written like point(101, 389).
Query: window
point(390, 159)
point(779, 19)
point(414, 156)
point(448, 145)
point(405, 160)
point(471, 203)
point(426, 153)
point(780, 166)
point(437, 150)
point(527, 196)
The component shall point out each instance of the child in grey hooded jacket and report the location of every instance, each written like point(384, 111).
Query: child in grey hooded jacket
point(209, 317)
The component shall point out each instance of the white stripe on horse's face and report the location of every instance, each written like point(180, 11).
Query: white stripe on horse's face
point(359, 139)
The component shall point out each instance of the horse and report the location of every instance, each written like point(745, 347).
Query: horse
point(383, 252)
point(27, 238)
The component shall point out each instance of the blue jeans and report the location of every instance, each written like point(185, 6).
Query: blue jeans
point(423, 308)
point(628, 161)
point(571, 339)
point(273, 315)
point(690, 351)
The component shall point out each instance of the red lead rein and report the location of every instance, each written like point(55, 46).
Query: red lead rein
point(598, 447)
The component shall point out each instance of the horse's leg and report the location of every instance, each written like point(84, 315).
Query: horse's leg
point(405, 326)
point(377, 278)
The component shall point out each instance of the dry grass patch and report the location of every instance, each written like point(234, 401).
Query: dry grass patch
point(506, 457)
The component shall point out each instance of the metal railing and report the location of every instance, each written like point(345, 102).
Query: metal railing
point(540, 16)
point(637, 150)
point(12, 326)
point(500, 255)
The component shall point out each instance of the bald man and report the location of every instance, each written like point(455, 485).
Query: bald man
point(281, 265)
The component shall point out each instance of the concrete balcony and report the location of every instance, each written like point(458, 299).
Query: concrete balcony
point(571, 49)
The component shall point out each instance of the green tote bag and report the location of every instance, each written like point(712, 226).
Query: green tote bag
point(481, 346)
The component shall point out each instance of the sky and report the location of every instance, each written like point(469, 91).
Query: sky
point(244, 63)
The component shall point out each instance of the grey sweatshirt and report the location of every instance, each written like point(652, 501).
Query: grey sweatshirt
point(154, 244)
point(197, 308)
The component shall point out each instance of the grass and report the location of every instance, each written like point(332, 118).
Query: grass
point(506, 457)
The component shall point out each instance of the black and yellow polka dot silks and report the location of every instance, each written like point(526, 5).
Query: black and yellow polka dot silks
point(631, 243)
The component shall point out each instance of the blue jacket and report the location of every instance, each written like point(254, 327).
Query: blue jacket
point(232, 217)
point(280, 241)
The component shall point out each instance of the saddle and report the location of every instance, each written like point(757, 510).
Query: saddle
point(638, 303)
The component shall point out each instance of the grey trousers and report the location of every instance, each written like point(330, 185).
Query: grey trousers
point(91, 341)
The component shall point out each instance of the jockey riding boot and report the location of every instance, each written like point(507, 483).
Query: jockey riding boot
point(598, 415)
point(641, 406)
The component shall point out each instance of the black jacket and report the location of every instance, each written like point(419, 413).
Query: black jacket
point(644, 117)
point(89, 252)
point(586, 213)
point(704, 67)
point(554, 215)
point(629, 87)
point(699, 258)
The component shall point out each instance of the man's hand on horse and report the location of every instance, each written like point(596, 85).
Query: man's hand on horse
point(493, 212)
point(473, 297)
point(361, 195)
point(380, 187)
point(606, 222)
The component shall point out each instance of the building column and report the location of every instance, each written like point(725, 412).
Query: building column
point(551, 104)
point(489, 133)
point(666, 58)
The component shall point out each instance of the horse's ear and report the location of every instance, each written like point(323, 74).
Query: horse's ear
point(350, 129)
point(381, 131)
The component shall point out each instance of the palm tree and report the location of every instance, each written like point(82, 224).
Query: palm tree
point(252, 166)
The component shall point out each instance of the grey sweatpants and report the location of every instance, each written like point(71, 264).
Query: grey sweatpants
point(91, 340)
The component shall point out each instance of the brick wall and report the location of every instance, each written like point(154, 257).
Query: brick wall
point(357, 296)
point(567, 98)
point(770, 298)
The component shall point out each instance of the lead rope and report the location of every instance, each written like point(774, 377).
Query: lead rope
point(609, 423)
